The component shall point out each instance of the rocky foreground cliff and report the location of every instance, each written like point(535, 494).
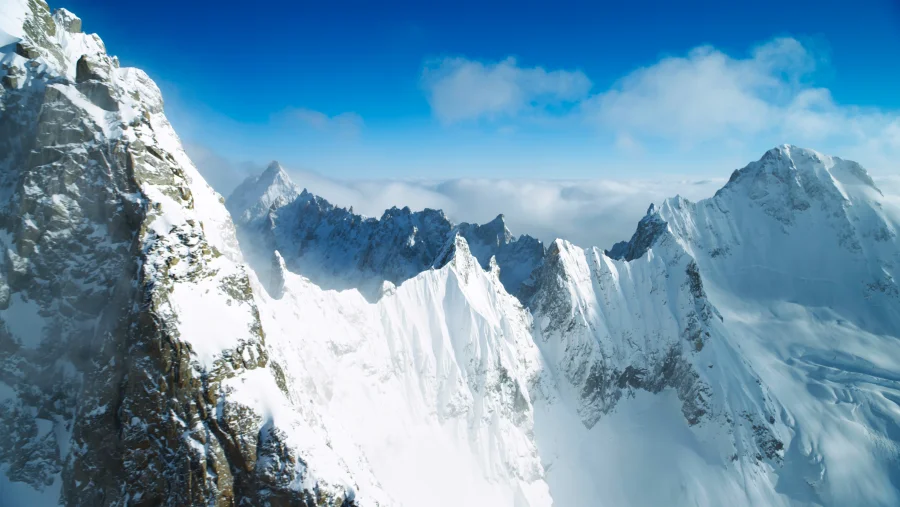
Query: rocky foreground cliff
point(739, 350)
point(129, 325)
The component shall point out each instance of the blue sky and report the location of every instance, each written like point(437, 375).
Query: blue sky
point(568, 90)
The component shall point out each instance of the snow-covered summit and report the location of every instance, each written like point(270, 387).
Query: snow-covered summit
point(787, 162)
point(133, 364)
point(54, 42)
point(740, 350)
point(516, 257)
point(254, 197)
point(494, 231)
point(795, 225)
point(650, 227)
point(788, 179)
point(788, 184)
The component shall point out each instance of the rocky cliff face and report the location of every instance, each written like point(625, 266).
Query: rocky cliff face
point(340, 250)
point(736, 350)
point(118, 385)
point(715, 317)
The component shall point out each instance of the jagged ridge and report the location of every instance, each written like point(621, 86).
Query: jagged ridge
point(142, 364)
point(339, 249)
point(129, 332)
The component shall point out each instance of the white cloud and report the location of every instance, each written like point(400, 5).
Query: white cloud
point(343, 123)
point(710, 96)
point(705, 97)
point(459, 89)
point(596, 212)
point(586, 212)
point(705, 94)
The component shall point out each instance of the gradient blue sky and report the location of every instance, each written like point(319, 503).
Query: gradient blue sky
point(562, 90)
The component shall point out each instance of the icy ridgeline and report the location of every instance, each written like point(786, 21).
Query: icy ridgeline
point(737, 350)
point(434, 382)
point(133, 364)
point(741, 350)
point(798, 254)
point(338, 249)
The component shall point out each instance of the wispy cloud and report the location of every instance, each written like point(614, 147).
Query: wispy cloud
point(459, 89)
point(222, 174)
point(344, 123)
point(587, 212)
point(705, 96)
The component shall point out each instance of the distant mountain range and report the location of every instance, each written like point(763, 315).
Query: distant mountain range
point(160, 345)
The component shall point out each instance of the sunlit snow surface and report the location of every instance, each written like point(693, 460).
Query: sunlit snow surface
point(446, 390)
point(797, 255)
point(416, 381)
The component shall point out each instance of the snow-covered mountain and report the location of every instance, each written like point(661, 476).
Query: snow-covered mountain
point(741, 350)
point(252, 199)
point(338, 249)
point(134, 368)
point(691, 330)
point(774, 305)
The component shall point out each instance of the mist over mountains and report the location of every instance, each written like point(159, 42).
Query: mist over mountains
point(163, 345)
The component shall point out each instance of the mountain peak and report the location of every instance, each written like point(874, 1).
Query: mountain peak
point(649, 229)
point(275, 176)
point(257, 194)
point(275, 171)
point(794, 156)
point(498, 226)
point(494, 232)
point(802, 168)
point(67, 20)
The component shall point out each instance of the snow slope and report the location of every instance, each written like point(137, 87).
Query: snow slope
point(797, 254)
point(800, 251)
point(433, 381)
point(133, 364)
point(660, 357)
point(741, 350)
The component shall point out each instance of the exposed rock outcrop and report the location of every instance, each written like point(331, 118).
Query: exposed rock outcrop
point(114, 249)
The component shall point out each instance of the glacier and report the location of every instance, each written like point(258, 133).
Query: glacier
point(161, 345)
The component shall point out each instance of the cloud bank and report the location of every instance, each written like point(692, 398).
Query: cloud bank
point(708, 94)
point(595, 212)
point(701, 99)
point(585, 212)
point(459, 89)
